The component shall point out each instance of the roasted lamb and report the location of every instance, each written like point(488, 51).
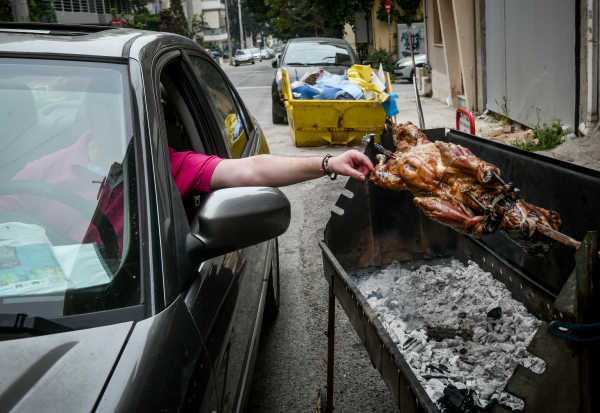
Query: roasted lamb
point(455, 188)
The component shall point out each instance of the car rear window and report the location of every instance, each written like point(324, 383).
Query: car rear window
point(319, 53)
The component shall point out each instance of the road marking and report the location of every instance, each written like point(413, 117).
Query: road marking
point(253, 87)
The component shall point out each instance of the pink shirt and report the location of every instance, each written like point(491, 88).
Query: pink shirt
point(68, 168)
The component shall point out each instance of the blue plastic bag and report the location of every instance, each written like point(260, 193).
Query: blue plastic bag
point(390, 106)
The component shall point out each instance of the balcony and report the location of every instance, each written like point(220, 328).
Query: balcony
point(212, 5)
point(215, 35)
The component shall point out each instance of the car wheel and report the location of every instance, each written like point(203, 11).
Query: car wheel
point(277, 120)
point(273, 293)
point(410, 77)
point(236, 64)
point(253, 62)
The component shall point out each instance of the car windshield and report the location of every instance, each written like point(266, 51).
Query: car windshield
point(67, 189)
point(242, 52)
point(319, 54)
point(254, 51)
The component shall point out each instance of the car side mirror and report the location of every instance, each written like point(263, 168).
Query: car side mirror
point(235, 218)
point(274, 63)
point(368, 63)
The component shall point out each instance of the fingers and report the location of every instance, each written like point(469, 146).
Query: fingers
point(353, 164)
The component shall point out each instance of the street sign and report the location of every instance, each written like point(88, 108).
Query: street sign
point(116, 23)
point(388, 6)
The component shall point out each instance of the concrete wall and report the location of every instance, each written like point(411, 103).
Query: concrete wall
point(440, 86)
point(349, 36)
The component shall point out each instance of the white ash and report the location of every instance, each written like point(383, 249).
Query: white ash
point(454, 297)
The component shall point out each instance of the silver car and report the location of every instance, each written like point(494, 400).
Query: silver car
point(243, 56)
point(264, 54)
point(256, 54)
point(404, 67)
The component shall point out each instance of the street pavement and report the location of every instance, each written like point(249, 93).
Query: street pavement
point(291, 363)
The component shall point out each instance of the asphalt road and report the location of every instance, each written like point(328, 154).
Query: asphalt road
point(291, 364)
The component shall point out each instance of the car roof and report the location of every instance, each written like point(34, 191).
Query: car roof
point(317, 39)
point(92, 41)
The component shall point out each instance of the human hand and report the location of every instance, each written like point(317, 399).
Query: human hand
point(351, 163)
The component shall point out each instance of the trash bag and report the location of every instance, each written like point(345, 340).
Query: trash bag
point(336, 81)
point(390, 106)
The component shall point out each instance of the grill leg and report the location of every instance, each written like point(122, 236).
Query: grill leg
point(330, 349)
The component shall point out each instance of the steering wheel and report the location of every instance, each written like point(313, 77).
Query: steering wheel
point(107, 233)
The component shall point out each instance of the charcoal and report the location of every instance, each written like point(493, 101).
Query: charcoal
point(463, 351)
point(462, 314)
point(455, 396)
point(495, 313)
point(443, 367)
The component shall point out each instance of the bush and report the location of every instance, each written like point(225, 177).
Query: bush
point(545, 136)
point(381, 56)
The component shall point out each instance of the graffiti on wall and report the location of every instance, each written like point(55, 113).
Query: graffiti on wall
point(416, 42)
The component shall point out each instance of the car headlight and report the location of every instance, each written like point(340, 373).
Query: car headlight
point(403, 65)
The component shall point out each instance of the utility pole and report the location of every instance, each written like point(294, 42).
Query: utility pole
point(190, 16)
point(21, 11)
point(228, 33)
point(241, 28)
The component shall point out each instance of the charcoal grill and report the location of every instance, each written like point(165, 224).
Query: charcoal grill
point(379, 226)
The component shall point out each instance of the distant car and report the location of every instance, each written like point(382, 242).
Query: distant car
point(210, 54)
point(404, 67)
point(243, 56)
point(256, 54)
point(264, 54)
point(271, 52)
point(278, 49)
point(309, 55)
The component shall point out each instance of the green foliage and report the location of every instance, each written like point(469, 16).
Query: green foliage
point(146, 21)
point(380, 55)
point(40, 11)
point(545, 135)
point(306, 18)
point(403, 11)
point(503, 108)
point(5, 11)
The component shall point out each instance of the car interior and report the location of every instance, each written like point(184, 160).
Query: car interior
point(182, 134)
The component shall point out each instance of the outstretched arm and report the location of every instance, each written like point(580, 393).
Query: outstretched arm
point(276, 171)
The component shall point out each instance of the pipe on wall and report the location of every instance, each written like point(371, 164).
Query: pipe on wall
point(592, 72)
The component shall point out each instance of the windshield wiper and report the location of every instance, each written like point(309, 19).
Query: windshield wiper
point(36, 326)
point(297, 64)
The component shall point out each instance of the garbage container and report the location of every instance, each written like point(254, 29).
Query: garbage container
point(331, 122)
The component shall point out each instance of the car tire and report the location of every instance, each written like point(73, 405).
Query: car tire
point(273, 291)
point(236, 65)
point(253, 62)
point(410, 77)
point(277, 120)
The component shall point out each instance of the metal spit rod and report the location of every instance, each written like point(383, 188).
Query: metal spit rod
point(419, 109)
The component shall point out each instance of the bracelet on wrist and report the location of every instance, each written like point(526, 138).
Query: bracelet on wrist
point(325, 168)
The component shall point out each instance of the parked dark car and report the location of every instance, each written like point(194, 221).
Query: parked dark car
point(309, 54)
point(148, 303)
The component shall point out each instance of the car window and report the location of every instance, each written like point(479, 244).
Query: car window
point(229, 113)
point(319, 53)
point(67, 188)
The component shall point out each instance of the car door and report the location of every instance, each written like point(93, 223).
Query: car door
point(228, 333)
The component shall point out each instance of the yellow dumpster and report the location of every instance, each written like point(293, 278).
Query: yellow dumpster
point(331, 122)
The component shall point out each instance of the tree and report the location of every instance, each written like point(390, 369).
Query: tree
point(403, 11)
point(41, 11)
point(303, 18)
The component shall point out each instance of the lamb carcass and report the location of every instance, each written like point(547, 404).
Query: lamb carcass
point(455, 188)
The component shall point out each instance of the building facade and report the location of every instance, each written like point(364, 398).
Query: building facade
point(520, 58)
